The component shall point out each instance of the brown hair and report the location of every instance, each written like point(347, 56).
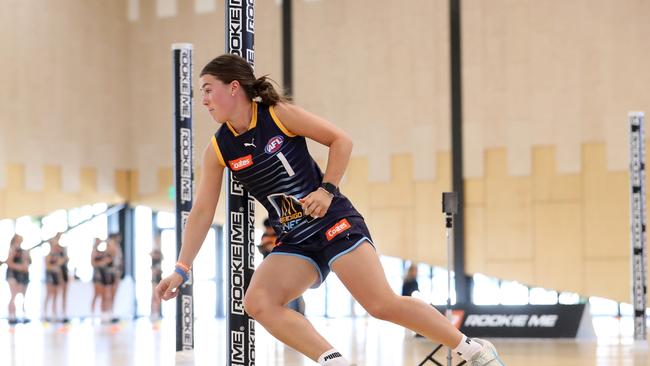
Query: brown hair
point(229, 67)
point(15, 240)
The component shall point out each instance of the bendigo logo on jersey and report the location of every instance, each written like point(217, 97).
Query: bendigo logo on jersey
point(241, 163)
point(289, 210)
point(338, 228)
point(274, 144)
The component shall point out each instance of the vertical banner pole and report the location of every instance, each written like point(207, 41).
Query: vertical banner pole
point(184, 182)
point(638, 223)
point(240, 208)
point(449, 208)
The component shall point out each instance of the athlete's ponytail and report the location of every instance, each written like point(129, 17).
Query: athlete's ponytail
point(263, 89)
point(229, 67)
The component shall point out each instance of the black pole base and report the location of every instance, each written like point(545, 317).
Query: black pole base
point(433, 360)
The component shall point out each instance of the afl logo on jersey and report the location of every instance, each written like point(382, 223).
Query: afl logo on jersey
point(274, 144)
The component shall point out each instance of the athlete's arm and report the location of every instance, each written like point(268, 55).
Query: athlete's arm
point(303, 123)
point(93, 258)
point(199, 220)
point(10, 259)
point(24, 265)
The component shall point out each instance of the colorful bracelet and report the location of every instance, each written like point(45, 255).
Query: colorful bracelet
point(183, 274)
point(183, 266)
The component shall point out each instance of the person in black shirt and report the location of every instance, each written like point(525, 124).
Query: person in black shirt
point(410, 284)
point(53, 279)
point(62, 287)
point(18, 261)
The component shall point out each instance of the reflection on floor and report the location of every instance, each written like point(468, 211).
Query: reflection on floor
point(364, 341)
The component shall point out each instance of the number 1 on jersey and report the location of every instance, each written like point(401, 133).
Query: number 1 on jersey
point(285, 164)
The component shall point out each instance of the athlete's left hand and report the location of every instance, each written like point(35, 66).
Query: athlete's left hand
point(316, 203)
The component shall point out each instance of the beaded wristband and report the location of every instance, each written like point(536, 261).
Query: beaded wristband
point(183, 274)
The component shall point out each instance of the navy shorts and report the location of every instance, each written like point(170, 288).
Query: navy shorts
point(22, 278)
point(52, 278)
point(326, 246)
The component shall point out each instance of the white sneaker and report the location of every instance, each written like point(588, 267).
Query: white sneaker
point(487, 356)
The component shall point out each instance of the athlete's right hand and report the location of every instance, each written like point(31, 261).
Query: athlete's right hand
point(168, 287)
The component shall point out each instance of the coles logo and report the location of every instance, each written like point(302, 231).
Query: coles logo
point(241, 163)
point(338, 228)
point(274, 144)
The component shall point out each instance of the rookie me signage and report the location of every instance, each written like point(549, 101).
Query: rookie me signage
point(529, 321)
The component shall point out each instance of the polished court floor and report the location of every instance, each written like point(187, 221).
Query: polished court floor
point(364, 341)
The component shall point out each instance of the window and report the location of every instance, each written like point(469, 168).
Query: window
point(99, 208)
point(204, 271)
point(79, 244)
point(393, 267)
point(143, 236)
point(56, 222)
point(315, 301)
point(540, 296)
point(425, 283)
point(568, 298)
point(165, 220)
point(626, 309)
point(600, 306)
point(485, 289)
point(339, 302)
point(79, 214)
point(440, 285)
point(30, 230)
point(513, 293)
point(6, 233)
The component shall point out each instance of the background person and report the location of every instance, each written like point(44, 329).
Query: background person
point(18, 261)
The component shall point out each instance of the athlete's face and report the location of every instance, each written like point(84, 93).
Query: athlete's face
point(17, 241)
point(217, 97)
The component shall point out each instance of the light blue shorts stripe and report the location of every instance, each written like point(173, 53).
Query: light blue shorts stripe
point(365, 238)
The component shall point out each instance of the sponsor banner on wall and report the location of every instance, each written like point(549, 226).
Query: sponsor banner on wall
point(518, 321)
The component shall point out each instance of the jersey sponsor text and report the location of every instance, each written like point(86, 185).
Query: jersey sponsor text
point(241, 163)
point(338, 228)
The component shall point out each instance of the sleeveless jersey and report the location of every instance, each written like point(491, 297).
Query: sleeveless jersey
point(275, 166)
point(18, 256)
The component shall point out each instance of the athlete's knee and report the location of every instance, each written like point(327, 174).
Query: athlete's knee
point(257, 303)
point(383, 308)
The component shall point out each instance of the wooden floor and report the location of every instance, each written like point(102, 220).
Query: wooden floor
point(363, 341)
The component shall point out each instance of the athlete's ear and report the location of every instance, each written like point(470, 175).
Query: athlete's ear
point(234, 86)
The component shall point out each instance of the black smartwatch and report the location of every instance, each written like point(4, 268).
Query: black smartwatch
point(330, 188)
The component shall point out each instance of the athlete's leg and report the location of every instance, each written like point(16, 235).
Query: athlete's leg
point(98, 291)
point(107, 299)
point(48, 298)
point(278, 280)
point(54, 293)
point(22, 289)
point(362, 274)
point(13, 288)
point(64, 300)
